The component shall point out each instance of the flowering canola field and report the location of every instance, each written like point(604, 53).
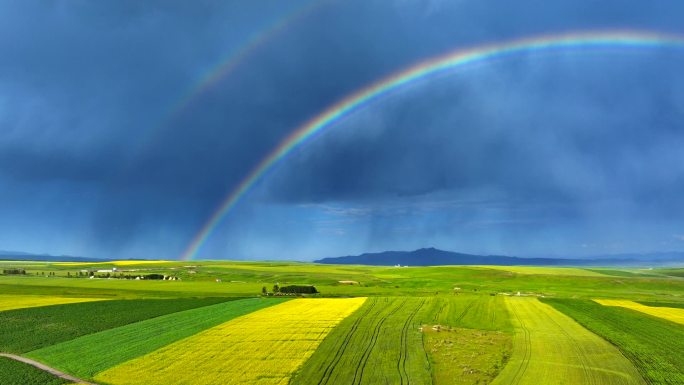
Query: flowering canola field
point(11, 302)
point(669, 313)
point(264, 347)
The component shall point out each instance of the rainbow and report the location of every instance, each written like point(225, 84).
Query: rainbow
point(226, 66)
point(437, 65)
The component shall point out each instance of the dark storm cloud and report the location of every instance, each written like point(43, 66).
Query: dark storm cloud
point(86, 90)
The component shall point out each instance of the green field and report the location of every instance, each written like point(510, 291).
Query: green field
point(418, 325)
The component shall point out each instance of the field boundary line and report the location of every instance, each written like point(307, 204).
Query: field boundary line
point(46, 368)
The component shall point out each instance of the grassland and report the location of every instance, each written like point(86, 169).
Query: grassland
point(466, 356)
point(87, 355)
point(551, 348)
point(669, 313)
point(11, 302)
point(247, 278)
point(24, 330)
point(653, 345)
point(17, 373)
point(263, 347)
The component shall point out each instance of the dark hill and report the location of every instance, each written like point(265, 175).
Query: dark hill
point(434, 257)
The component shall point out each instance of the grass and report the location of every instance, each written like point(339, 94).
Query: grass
point(87, 355)
point(669, 313)
point(11, 302)
point(24, 330)
point(653, 345)
point(263, 347)
point(551, 348)
point(466, 356)
point(384, 341)
point(19, 373)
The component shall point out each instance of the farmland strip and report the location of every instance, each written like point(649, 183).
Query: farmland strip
point(550, 348)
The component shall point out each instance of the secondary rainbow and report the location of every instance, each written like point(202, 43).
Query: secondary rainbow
point(224, 68)
point(425, 69)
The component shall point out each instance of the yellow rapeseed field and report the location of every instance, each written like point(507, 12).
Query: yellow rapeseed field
point(265, 347)
point(10, 302)
point(668, 313)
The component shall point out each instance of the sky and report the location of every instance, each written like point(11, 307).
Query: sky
point(125, 124)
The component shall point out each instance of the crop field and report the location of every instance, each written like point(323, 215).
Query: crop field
point(11, 302)
point(461, 325)
point(383, 341)
point(653, 345)
point(668, 313)
point(87, 355)
point(24, 330)
point(551, 348)
point(263, 347)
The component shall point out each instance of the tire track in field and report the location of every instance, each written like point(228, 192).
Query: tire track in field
point(465, 311)
point(358, 373)
point(340, 351)
point(438, 313)
point(576, 347)
point(403, 351)
point(522, 368)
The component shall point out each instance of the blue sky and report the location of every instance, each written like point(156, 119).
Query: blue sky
point(565, 154)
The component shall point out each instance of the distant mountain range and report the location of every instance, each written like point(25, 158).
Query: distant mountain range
point(21, 256)
point(435, 257)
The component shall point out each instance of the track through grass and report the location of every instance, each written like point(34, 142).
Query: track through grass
point(18, 373)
